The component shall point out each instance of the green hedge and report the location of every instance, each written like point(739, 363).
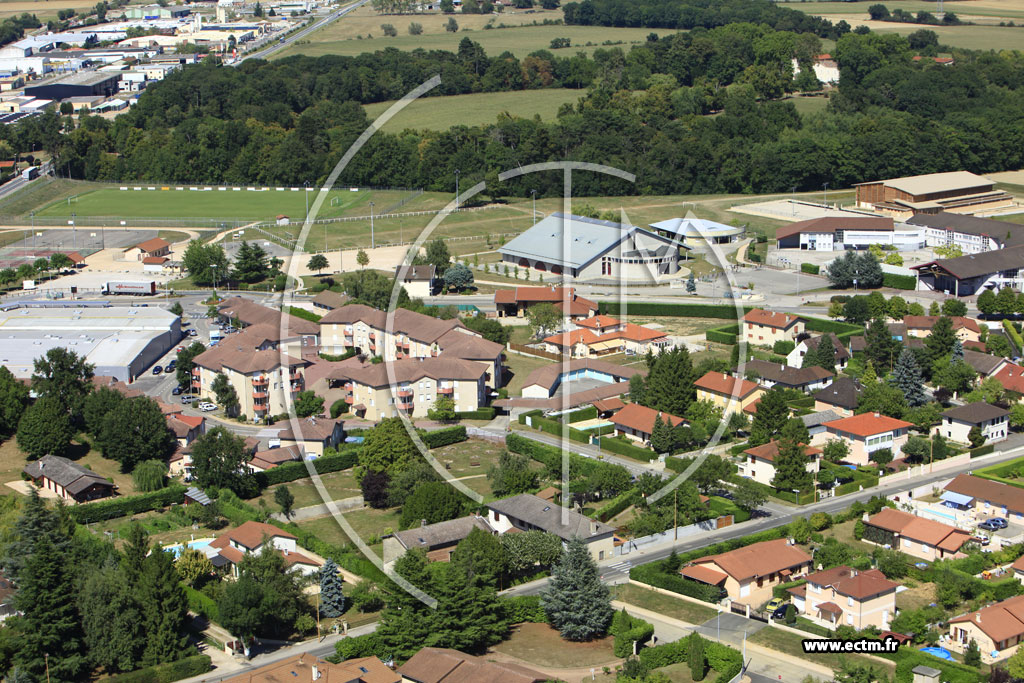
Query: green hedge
point(292, 471)
point(195, 665)
point(782, 590)
point(529, 413)
point(486, 413)
point(722, 311)
point(773, 492)
point(522, 608)
point(677, 464)
point(339, 407)
point(627, 629)
point(616, 505)
point(346, 559)
point(444, 437)
point(810, 268)
point(654, 575)
point(124, 506)
point(726, 661)
point(202, 604)
point(366, 645)
point(982, 450)
point(952, 671)
point(834, 326)
point(726, 334)
point(627, 449)
point(1013, 334)
point(304, 314)
point(551, 456)
point(588, 413)
point(335, 357)
point(899, 281)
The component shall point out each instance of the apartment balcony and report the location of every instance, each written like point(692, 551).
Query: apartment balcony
point(400, 355)
point(373, 335)
point(404, 393)
point(350, 400)
point(405, 344)
point(373, 346)
point(260, 381)
point(259, 395)
point(295, 388)
point(435, 353)
point(196, 384)
point(406, 406)
point(295, 375)
point(347, 386)
point(260, 408)
point(447, 391)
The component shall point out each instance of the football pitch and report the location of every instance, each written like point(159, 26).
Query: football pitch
point(229, 204)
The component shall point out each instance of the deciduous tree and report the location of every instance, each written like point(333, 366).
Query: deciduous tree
point(45, 429)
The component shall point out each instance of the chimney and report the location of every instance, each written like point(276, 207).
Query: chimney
point(423, 523)
point(316, 672)
point(977, 617)
point(877, 415)
point(593, 527)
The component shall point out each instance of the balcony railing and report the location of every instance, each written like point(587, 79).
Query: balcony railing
point(260, 381)
point(445, 390)
point(405, 393)
point(350, 400)
point(259, 394)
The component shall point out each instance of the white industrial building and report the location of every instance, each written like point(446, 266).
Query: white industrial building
point(120, 341)
point(854, 232)
point(697, 231)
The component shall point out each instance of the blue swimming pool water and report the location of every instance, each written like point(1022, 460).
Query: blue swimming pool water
point(597, 425)
point(943, 514)
point(195, 545)
point(940, 652)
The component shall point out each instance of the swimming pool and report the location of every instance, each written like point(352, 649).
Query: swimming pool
point(596, 425)
point(198, 544)
point(940, 652)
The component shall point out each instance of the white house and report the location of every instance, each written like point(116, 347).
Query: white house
point(958, 422)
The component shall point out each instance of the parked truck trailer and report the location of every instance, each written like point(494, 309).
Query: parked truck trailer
point(142, 287)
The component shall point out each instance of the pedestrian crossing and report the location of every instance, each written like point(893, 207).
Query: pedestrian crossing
point(621, 566)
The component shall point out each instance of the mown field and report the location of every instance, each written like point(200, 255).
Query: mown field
point(967, 37)
point(441, 113)
point(349, 36)
point(1000, 9)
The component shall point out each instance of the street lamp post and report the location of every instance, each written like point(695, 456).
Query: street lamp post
point(792, 201)
point(74, 231)
point(533, 193)
point(371, 226)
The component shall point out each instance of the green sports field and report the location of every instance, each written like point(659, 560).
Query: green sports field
point(217, 205)
point(441, 113)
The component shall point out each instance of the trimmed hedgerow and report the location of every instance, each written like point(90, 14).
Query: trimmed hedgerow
point(444, 437)
point(899, 281)
point(123, 506)
point(167, 673)
point(680, 310)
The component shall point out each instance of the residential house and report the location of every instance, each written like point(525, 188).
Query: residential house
point(546, 380)
point(1018, 568)
point(600, 324)
point(625, 338)
point(815, 422)
point(749, 574)
point(764, 328)
point(1011, 376)
point(920, 326)
point(768, 374)
point(796, 356)
point(840, 396)
point(985, 364)
point(157, 246)
point(257, 537)
point(261, 374)
point(759, 462)
point(987, 498)
point(865, 434)
point(438, 540)
point(444, 665)
point(998, 628)
point(328, 300)
point(180, 463)
point(918, 537)
point(67, 479)
point(7, 593)
point(512, 303)
point(376, 391)
point(527, 512)
point(419, 281)
point(607, 406)
point(957, 422)
point(186, 428)
point(315, 434)
point(846, 596)
point(731, 394)
point(636, 422)
point(272, 457)
point(306, 668)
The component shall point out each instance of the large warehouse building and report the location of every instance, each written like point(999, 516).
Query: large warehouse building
point(81, 84)
point(957, 191)
point(120, 341)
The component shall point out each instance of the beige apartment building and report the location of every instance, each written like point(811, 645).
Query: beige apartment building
point(377, 391)
point(846, 596)
point(262, 375)
point(748, 574)
point(763, 328)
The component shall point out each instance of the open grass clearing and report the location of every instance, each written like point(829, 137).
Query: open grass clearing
point(844, 534)
point(43, 9)
point(791, 644)
point(542, 645)
point(678, 326)
point(339, 485)
point(675, 608)
point(477, 109)
point(921, 595)
point(523, 33)
point(521, 366)
point(459, 456)
point(806, 106)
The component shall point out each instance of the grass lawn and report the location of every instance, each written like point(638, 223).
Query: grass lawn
point(679, 326)
point(339, 485)
point(520, 36)
point(844, 533)
point(808, 105)
point(982, 8)
point(13, 460)
point(521, 366)
point(542, 645)
point(485, 453)
point(167, 202)
point(327, 529)
point(369, 522)
point(919, 596)
point(676, 608)
point(441, 113)
point(790, 643)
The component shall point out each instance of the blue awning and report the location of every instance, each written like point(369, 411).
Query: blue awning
point(956, 498)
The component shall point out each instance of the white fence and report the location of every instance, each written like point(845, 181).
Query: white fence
point(669, 535)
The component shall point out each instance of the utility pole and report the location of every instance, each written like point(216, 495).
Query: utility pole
point(826, 195)
point(456, 189)
point(534, 194)
point(74, 231)
point(371, 226)
point(793, 200)
point(675, 511)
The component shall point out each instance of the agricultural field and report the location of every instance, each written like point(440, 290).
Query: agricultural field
point(520, 36)
point(441, 113)
point(966, 10)
point(43, 9)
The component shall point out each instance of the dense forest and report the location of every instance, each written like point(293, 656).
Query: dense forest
point(645, 110)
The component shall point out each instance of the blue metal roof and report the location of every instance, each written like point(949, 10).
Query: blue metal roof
point(956, 498)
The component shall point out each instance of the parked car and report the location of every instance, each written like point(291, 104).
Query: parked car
point(176, 391)
point(780, 613)
point(157, 369)
point(179, 349)
point(206, 406)
point(187, 398)
point(774, 604)
point(193, 333)
point(992, 525)
point(173, 364)
point(1000, 522)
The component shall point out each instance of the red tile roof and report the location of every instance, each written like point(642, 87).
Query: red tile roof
point(867, 424)
point(703, 574)
point(920, 529)
point(781, 321)
point(726, 385)
point(155, 260)
point(154, 244)
point(250, 535)
point(859, 585)
point(641, 418)
point(605, 404)
point(927, 322)
point(758, 559)
point(1001, 621)
point(533, 295)
point(572, 338)
point(1011, 376)
point(770, 451)
point(599, 321)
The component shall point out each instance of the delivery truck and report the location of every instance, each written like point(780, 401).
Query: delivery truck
point(138, 287)
point(30, 173)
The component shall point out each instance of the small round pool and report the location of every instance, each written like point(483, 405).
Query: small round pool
point(940, 652)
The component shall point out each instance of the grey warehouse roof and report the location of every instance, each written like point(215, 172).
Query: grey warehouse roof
point(588, 239)
point(547, 516)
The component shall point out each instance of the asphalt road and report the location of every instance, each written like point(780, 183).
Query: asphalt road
point(17, 183)
point(300, 34)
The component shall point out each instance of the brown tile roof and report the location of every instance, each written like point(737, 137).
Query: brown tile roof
point(982, 363)
point(859, 585)
point(329, 299)
point(311, 429)
point(577, 308)
point(975, 413)
point(758, 559)
point(1011, 376)
point(442, 665)
point(423, 328)
point(66, 473)
point(641, 418)
point(703, 574)
point(547, 375)
point(598, 321)
point(920, 529)
point(416, 273)
point(927, 322)
point(76, 258)
point(410, 370)
point(533, 295)
point(637, 333)
point(998, 493)
point(1001, 621)
point(442, 533)
point(182, 425)
point(787, 374)
point(250, 534)
point(830, 608)
point(153, 244)
point(770, 451)
point(606, 404)
point(725, 385)
point(973, 265)
point(155, 260)
point(241, 352)
point(833, 223)
point(867, 424)
point(570, 400)
point(252, 313)
point(1018, 564)
point(841, 352)
point(551, 518)
point(291, 559)
point(273, 457)
point(299, 669)
point(568, 339)
point(759, 316)
point(456, 343)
